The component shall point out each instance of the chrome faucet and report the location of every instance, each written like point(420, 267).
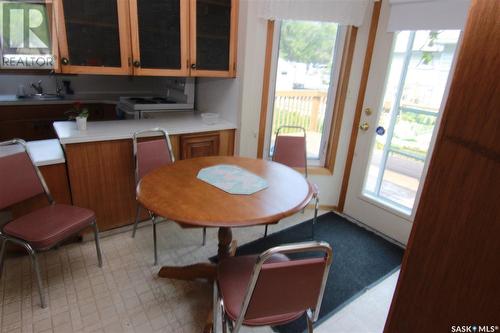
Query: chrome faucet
point(59, 88)
point(37, 87)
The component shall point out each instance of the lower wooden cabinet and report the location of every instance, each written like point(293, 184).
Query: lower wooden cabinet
point(102, 173)
point(34, 122)
point(219, 143)
point(198, 145)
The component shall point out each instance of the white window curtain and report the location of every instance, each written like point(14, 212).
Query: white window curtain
point(344, 12)
point(427, 14)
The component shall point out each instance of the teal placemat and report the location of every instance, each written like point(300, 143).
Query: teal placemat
point(232, 179)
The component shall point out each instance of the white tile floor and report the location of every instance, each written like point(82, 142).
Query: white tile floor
point(126, 296)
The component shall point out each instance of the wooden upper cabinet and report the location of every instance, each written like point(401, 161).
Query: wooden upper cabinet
point(148, 37)
point(213, 32)
point(93, 36)
point(159, 34)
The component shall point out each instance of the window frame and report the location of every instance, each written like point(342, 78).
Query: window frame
point(344, 48)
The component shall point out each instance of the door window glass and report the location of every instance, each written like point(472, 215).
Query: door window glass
point(417, 77)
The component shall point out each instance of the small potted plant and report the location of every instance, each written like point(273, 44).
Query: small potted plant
point(80, 114)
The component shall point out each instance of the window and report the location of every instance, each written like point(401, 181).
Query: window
point(304, 76)
point(25, 35)
point(417, 78)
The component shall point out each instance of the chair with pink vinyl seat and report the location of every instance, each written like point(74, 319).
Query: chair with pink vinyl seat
point(291, 151)
point(150, 155)
point(271, 289)
point(43, 228)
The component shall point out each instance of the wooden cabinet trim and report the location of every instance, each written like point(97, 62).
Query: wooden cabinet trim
point(233, 43)
point(124, 36)
point(210, 141)
point(135, 43)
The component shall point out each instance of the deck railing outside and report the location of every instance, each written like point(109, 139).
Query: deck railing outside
point(304, 108)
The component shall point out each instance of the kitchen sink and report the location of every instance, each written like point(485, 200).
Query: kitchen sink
point(43, 97)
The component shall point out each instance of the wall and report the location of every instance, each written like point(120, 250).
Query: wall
point(250, 81)
point(87, 84)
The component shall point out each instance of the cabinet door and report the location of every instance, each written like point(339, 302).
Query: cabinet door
point(93, 36)
point(213, 37)
point(199, 145)
point(159, 30)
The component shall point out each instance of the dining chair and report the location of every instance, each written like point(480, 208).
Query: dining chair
point(271, 289)
point(150, 155)
point(291, 151)
point(41, 229)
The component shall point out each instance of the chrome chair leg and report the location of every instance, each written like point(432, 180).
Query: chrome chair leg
point(204, 242)
point(315, 218)
point(2, 254)
point(265, 231)
point(36, 267)
point(155, 249)
point(224, 322)
point(310, 328)
point(137, 211)
point(97, 244)
point(215, 309)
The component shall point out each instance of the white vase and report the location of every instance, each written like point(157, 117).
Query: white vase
point(81, 123)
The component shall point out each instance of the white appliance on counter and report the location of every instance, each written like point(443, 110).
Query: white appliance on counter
point(179, 97)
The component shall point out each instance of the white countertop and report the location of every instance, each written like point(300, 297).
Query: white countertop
point(175, 123)
point(43, 152)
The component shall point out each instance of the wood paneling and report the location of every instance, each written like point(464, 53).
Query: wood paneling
point(359, 105)
point(102, 173)
point(226, 143)
point(102, 178)
point(451, 266)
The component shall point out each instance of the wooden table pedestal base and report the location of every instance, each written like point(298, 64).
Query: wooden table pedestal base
point(227, 247)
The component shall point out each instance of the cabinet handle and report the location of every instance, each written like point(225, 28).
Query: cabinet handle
point(193, 66)
point(65, 61)
point(137, 63)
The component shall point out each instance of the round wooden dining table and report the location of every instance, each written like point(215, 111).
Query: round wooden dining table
point(174, 192)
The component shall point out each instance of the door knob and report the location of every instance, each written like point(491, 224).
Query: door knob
point(137, 64)
point(65, 61)
point(364, 126)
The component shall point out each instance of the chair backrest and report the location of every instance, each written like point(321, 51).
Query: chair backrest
point(291, 150)
point(152, 154)
point(20, 178)
point(282, 287)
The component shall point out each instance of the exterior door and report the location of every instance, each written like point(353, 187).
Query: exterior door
point(407, 84)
